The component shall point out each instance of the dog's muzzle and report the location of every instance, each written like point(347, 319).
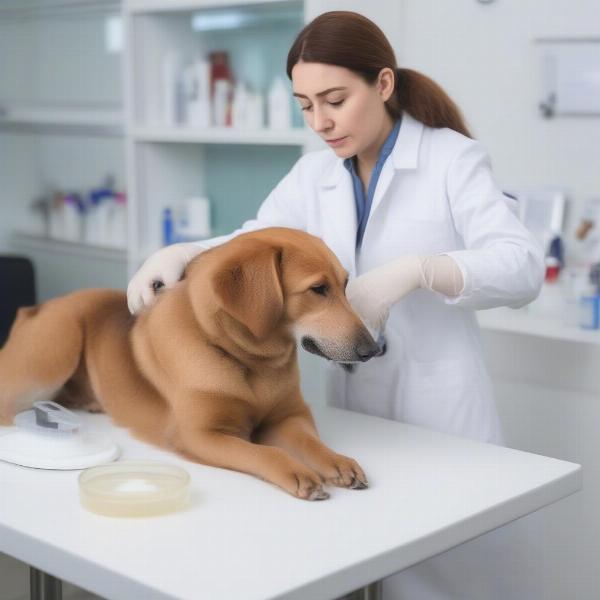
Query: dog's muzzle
point(311, 346)
point(381, 344)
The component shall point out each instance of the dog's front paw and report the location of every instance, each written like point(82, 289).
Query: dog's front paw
point(342, 471)
point(306, 485)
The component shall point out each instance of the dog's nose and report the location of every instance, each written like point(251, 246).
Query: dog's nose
point(366, 348)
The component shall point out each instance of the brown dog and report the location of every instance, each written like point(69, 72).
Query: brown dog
point(210, 370)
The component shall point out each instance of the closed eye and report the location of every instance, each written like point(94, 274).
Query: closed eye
point(320, 289)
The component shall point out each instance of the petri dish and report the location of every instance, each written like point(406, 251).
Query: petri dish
point(134, 489)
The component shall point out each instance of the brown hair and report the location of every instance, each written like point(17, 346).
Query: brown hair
point(347, 39)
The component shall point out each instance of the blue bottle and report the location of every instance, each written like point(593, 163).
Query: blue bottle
point(168, 227)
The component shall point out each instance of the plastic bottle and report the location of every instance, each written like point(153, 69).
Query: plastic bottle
point(255, 114)
point(279, 108)
point(118, 237)
point(197, 222)
point(168, 227)
point(71, 218)
point(199, 110)
point(221, 103)
point(172, 87)
point(221, 83)
point(239, 111)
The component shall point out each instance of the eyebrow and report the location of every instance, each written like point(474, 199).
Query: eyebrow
point(333, 89)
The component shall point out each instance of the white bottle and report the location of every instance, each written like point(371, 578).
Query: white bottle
point(255, 114)
point(239, 110)
point(190, 93)
point(57, 223)
point(104, 214)
point(279, 111)
point(71, 219)
point(172, 89)
point(200, 114)
point(221, 102)
point(196, 222)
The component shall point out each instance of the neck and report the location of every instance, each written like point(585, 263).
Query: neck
point(365, 160)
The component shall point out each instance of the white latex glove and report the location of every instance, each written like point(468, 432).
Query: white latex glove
point(164, 266)
point(372, 294)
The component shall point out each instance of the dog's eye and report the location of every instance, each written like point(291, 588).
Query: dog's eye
point(320, 289)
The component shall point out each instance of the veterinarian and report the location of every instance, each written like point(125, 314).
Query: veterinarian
point(406, 199)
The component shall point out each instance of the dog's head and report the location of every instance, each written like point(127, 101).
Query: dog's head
point(285, 278)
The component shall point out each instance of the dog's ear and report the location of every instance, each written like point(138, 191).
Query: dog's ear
point(249, 288)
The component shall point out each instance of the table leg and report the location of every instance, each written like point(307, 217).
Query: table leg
point(43, 586)
point(369, 592)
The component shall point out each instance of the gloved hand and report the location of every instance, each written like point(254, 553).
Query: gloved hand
point(163, 268)
point(375, 292)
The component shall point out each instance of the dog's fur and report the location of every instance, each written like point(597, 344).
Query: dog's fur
point(210, 370)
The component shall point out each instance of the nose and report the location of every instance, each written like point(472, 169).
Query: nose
point(366, 348)
point(321, 122)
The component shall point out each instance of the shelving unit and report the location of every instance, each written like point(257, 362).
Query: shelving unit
point(72, 120)
point(235, 168)
point(23, 239)
point(62, 128)
point(222, 135)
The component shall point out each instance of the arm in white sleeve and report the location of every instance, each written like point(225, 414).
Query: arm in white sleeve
point(282, 208)
point(502, 264)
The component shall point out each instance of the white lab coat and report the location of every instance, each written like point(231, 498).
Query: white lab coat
point(435, 195)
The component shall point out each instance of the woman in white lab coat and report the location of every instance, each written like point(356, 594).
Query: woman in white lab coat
point(406, 200)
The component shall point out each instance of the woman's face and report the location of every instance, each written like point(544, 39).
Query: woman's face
point(344, 110)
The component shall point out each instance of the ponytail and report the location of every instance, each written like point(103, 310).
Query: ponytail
point(423, 99)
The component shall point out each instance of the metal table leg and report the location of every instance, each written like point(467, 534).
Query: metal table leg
point(43, 586)
point(369, 592)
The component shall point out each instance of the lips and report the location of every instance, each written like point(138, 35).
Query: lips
point(337, 141)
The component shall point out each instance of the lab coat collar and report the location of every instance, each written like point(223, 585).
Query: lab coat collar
point(405, 154)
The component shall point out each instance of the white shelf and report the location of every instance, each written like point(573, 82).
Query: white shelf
point(521, 322)
point(46, 244)
point(222, 135)
point(99, 121)
point(150, 6)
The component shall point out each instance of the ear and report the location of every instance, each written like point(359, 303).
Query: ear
point(386, 82)
point(249, 288)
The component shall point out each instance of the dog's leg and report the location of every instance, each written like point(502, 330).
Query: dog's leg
point(219, 449)
point(40, 355)
point(298, 435)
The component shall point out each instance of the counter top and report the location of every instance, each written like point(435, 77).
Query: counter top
point(243, 538)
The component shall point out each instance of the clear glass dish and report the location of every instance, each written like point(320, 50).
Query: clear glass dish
point(134, 489)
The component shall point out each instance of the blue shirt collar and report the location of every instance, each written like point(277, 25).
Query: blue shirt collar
point(386, 148)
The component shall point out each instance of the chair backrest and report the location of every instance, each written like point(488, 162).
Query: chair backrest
point(17, 288)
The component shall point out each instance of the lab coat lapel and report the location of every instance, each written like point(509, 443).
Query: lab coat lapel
point(339, 215)
point(405, 155)
point(385, 178)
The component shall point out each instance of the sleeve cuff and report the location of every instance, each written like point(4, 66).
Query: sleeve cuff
point(467, 290)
